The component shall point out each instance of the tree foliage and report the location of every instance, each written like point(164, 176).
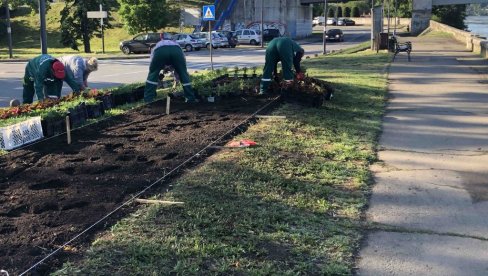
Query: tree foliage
point(75, 26)
point(452, 15)
point(147, 15)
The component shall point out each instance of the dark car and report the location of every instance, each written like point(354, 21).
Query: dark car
point(346, 22)
point(269, 34)
point(232, 39)
point(142, 43)
point(334, 35)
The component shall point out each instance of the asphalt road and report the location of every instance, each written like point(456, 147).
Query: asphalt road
point(115, 72)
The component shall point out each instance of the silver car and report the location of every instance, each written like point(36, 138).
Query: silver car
point(188, 42)
point(216, 39)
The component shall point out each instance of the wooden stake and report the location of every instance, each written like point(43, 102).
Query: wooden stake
point(68, 130)
point(155, 201)
point(270, 117)
point(168, 102)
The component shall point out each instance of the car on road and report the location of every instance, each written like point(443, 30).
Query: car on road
point(189, 42)
point(269, 34)
point(345, 22)
point(334, 35)
point(331, 21)
point(142, 43)
point(248, 36)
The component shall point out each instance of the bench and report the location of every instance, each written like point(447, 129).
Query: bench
point(402, 47)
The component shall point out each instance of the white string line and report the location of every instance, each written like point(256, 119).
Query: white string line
point(147, 188)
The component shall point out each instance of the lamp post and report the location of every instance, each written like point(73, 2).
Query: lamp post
point(324, 40)
point(262, 19)
point(9, 30)
point(42, 14)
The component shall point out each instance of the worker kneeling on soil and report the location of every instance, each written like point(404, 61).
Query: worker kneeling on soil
point(288, 52)
point(164, 53)
point(79, 69)
point(44, 77)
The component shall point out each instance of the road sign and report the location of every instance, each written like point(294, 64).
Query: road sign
point(96, 14)
point(208, 13)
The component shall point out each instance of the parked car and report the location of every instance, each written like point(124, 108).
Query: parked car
point(269, 34)
point(248, 36)
point(231, 38)
point(331, 21)
point(142, 43)
point(224, 42)
point(217, 41)
point(189, 42)
point(334, 35)
point(319, 20)
point(346, 22)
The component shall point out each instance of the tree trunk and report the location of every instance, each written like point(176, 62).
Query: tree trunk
point(85, 35)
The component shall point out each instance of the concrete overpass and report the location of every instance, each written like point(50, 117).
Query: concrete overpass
point(422, 11)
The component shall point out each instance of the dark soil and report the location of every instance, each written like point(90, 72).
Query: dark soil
point(51, 191)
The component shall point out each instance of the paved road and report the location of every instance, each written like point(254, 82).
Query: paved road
point(115, 72)
point(430, 201)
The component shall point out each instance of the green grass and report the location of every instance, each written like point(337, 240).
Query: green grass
point(290, 206)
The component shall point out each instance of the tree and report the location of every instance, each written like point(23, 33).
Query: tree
point(76, 26)
point(347, 12)
point(147, 15)
point(452, 15)
point(355, 12)
point(331, 12)
point(339, 12)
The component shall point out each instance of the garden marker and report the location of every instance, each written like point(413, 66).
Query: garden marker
point(168, 103)
point(68, 130)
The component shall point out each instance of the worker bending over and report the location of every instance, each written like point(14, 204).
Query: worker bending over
point(288, 52)
point(79, 69)
point(44, 77)
point(164, 53)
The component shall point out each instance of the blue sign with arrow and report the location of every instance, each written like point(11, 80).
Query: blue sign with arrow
point(208, 13)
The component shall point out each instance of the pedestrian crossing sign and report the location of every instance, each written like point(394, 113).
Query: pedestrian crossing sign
point(209, 12)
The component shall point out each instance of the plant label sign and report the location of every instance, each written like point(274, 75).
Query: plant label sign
point(208, 13)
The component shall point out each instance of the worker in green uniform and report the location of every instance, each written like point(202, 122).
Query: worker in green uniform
point(289, 53)
point(44, 77)
point(167, 53)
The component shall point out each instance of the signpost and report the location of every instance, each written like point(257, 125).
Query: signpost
point(209, 15)
point(99, 14)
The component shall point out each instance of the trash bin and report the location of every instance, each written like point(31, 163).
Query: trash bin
point(383, 41)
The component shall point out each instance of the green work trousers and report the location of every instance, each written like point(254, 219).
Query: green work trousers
point(163, 56)
point(51, 87)
point(277, 50)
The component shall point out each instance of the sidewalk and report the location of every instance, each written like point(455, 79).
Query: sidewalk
point(429, 207)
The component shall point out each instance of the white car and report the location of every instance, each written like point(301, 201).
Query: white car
point(248, 36)
point(331, 21)
point(189, 42)
point(319, 20)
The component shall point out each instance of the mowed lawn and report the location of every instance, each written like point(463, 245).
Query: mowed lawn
point(292, 205)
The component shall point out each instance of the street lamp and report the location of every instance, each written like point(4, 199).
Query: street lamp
point(42, 14)
point(262, 18)
point(9, 30)
point(324, 40)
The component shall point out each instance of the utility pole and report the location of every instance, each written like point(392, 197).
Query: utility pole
point(262, 19)
point(101, 25)
point(9, 30)
point(42, 14)
point(324, 40)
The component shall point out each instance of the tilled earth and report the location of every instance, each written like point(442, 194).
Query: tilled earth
point(51, 191)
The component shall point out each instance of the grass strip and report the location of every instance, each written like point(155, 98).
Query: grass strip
point(291, 205)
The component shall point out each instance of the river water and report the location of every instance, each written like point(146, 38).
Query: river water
point(477, 25)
